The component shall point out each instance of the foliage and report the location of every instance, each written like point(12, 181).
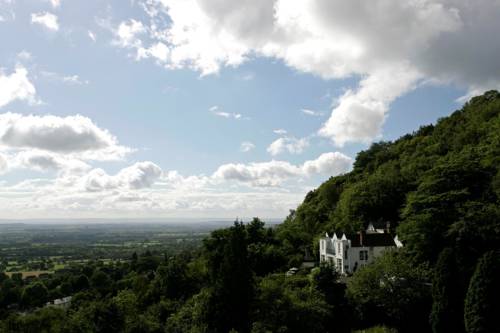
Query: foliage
point(482, 304)
point(447, 296)
point(391, 291)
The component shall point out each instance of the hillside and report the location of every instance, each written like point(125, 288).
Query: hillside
point(438, 187)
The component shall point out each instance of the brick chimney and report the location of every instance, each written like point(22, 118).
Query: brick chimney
point(388, 227)
point(361, 237)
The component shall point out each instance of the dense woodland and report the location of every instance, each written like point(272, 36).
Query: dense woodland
point(439, 188)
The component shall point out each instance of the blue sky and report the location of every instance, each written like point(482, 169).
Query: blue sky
point(213, 108)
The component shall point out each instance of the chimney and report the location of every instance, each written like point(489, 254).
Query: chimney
point(388, 227)
point(361, 237)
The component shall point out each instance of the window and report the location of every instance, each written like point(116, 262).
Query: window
point(345, 254)
point(322, 258)
point(338, 248)
point(339, 264)
point(363, 255)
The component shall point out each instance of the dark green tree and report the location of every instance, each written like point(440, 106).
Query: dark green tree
point(231, 279)
point(80, 282)
point(101, 282)
point(447, 296)
point(34, 295)
point(482, 303)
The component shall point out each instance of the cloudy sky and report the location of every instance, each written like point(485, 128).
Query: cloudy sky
point(219, 108)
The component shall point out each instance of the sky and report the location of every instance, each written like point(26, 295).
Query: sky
point(219, 108)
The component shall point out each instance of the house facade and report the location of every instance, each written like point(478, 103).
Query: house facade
point(348, 253)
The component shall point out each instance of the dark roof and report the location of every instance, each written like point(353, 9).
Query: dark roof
point(372, 239)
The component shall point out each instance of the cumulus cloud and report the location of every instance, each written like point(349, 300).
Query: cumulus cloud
point(46, 161)
point(288, 144)
point(328, 163)
point(66, 135)
point(258, 174)
point(360, 114)
point(274, 173)
point(246, 146)
point(137, 176)
point(16, 86)
point(144, 189)
point(47, 20)
point(392, 46)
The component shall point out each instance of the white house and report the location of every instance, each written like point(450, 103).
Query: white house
point(348, 253)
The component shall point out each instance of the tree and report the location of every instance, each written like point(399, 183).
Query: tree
point(101, 282)
point(171, 279)
point(231, 278)
point(482, 303)
point(290, 304)
point(325, 279)
point(81, 282)
point(10, 293)
point(447, 296)
point(34, 295)
point(391, 291)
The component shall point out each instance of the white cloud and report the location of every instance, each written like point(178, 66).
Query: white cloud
point(216, 111)
point(55, 3)
point(45, 161)
point(328, 163)
point(312, 113)
point(280, 131)
point(137, 176)
point(24, 55)
point(16, 86)
point(288, 144)
point(66, 135)
point(158, 51)
point(48, 20)
point(143, 189)
point(68, 79)
point(417, 41)
point(360, 114)
point(246, 146)
point(128, 33)
point(274, 173)
point(92, 35)
point(74, 79)
point(258, 174)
